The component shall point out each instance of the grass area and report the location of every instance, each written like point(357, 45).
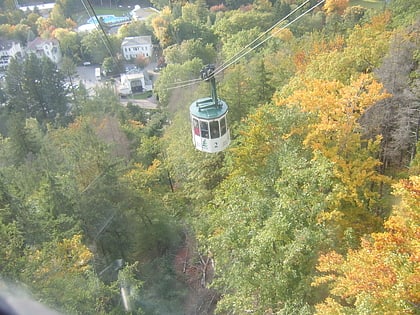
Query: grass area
point(114, 11)
point(142, 96)
point(370, 4)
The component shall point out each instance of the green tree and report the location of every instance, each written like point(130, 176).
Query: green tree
point(274, 193)
point(112, 66)
point(365, 47)
point(238, 91)
point(190, 70)
point(238, 44)
point(135, 28)
point(14, 88)
point(264, 91)
point(69, 7)
point(404, 12)
point(188, 50)
point(57, 16)
point(334, 131)
point(195, 12)
point(39, 92)
point(69, 43)
point(233, 22)
point(25, 138)
point(162, 27)
point(12, 247)
point(31, 21)
point(61, 275)
point(96, 47)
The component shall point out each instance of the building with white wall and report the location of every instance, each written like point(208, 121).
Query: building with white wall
point(45, 47)
point(9, 49)
point(132, 47)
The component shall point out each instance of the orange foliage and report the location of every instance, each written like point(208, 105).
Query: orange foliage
point(301, 59)
point(335, 128)
point(383, 276)
point(324, 46)
point(336, 6)
point(333, 131)
point(284, 34)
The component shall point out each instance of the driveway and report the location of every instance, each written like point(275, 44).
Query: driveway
point(87, 76)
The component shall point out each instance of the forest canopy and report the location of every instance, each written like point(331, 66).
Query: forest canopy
point(107, 208)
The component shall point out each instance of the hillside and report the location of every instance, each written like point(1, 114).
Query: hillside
point(313, 208)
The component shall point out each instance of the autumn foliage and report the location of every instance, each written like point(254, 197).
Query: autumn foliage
point(335, 133)
point(336, 6)
point(383, 276)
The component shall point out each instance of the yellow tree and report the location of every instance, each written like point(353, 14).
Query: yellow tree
point(336, 6)
point(345, 58)
point(334, 132)
point(60, 273)
point(67, 256)
point(383, 276)
point(162, 27)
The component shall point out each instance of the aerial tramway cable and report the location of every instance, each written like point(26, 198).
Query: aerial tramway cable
point(217, 71)
point(250, 47)
point(99, 27)
point(208, 115)
point(226, 63)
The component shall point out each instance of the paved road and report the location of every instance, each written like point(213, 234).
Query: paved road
point(146, 104)
point(87, 76)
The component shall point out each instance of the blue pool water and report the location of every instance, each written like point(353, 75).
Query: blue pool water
point(108, 19)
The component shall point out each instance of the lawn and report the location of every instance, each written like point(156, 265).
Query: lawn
point(142, 96)
point(370, 4)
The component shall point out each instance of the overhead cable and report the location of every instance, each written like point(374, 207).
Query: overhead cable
point(247, 49)
point(105, 39)
point(267, 38)
point(261, 35)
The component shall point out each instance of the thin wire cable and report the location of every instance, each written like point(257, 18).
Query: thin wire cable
point(98, 25)
point(226, 65)
point(261, 35)
point(181, 86)
point(270, 36)
point(184, 82)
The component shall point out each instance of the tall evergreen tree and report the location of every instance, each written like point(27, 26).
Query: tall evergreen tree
point(35, 88)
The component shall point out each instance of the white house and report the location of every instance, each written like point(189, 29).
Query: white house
point(43, 8)
point(9, 49)
point(139, 13)
point(134, 82)
point(134, 46)
point(45, 47)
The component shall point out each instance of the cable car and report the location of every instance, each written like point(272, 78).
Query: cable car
point(210, 132)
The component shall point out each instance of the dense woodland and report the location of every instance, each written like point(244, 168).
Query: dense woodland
point(314, 208)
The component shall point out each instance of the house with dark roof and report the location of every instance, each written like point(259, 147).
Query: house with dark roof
point(45, 47)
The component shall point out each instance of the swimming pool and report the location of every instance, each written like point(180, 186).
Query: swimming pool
point(108, 19)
